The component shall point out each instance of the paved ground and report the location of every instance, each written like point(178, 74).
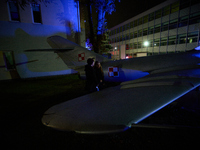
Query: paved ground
point(21, 127)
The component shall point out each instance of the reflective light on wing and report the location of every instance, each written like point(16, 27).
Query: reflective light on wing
point(196, 55)
point(162, 106)
point(197, 48)
point(105, 112)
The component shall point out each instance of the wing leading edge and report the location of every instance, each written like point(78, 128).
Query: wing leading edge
point(116, 108)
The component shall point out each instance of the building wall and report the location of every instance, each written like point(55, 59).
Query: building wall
point(58, 18)
point(172, 26)
point(4, 74)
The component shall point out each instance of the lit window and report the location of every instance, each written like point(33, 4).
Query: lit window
point(156, 42)
point(139, 44)
point(121, 38)
point(140, 21)
point(36, 13)
point(131, 45)
point(127, 46)
point(131, 25)
point(145, 31)
point(157, 28)
point(135, 34)
point(121, 29)
point(173, 24)
point(124, 37)
point(127, 36)
point(151, 30)
point(135, 45)
point(117, 30)
point(113, 40)
point(172, 40)
point(183, 21)
point(194, 18)
point(158, 14)
point(192, 37)
point(135, 23)
point(140, 33)
point(151, 16)
point(151, 43)
point(166, 10)
point(14, 11)
point(175, 7)
point(131, 35)
point(165, 26)
point(124, 27)
point(127, 26)
point(163, 41)
point(182, 39)
point(145, 19)
point(112, 32)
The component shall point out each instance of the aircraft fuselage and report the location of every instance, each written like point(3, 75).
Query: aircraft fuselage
point(130, 69)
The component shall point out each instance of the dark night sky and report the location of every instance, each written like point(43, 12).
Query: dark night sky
point(127, 9)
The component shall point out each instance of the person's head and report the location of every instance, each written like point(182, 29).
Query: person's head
point(97, 64)
point(90, 61)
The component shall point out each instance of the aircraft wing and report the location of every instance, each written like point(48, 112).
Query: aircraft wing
point(50, 50)
point(115, 109)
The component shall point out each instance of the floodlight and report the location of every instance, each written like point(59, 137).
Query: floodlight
point(146, 43)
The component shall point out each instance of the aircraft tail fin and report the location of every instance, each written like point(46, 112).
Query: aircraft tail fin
point(71, 53)
point(58, 42)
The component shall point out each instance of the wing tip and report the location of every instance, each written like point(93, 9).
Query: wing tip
point(114, 129)
point(84, 128)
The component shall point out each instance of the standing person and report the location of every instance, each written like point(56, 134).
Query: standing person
point(99, 74)
point(91, 79)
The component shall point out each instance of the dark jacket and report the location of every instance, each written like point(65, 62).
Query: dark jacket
point(91, 79)
point(99, 74)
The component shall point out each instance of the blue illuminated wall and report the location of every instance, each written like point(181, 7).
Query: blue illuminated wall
point(61, 18)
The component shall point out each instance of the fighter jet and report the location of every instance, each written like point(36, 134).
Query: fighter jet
point(147, 85)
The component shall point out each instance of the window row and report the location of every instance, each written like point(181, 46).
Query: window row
point(157, 14)
point(192, 37)
point(173, 24)
point(15, 15)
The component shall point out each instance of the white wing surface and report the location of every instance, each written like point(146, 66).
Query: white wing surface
point(115, 109)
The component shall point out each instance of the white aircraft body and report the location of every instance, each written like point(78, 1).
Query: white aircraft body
point(148, 84)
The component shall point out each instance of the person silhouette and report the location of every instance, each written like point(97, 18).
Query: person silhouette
point(91, 79)
point(99, 74)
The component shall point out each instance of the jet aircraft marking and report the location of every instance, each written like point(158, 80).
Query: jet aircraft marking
point(113, 71)
point(148, 84)
point(81, 57)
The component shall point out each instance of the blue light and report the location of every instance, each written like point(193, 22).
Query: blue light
point(70, 16)
point(197, 48)
point(88, 44)
point(162, 106)
point(196, 55)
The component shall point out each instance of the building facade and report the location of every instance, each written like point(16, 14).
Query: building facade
point(28, 28)
point(172, 26)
